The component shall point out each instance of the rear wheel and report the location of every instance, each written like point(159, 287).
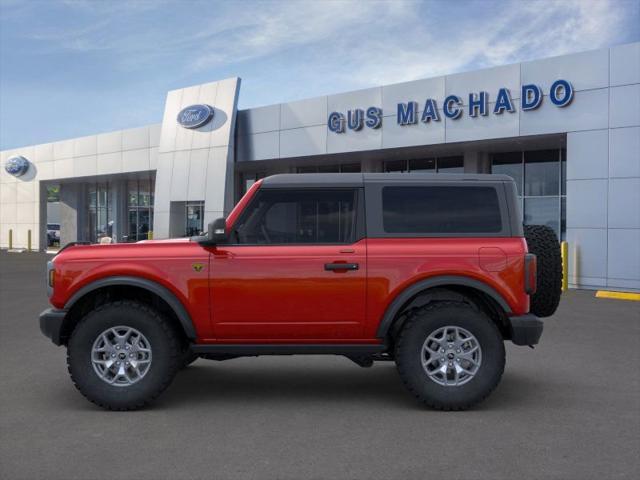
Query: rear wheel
point(543, 243)
point(450, 355)
point(122, 355)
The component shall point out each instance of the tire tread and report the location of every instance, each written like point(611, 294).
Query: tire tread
point(542, 241)
point(414, 317)
point(175, 347)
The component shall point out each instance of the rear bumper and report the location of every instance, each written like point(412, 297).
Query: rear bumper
point(526, 329)
point(51, 321)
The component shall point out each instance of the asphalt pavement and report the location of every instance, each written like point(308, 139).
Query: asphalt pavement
point(570, 409)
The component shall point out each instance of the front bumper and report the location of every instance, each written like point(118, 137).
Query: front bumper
point(526, 329)
point(51, 322)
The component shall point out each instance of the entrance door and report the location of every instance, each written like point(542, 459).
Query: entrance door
point(295, 269)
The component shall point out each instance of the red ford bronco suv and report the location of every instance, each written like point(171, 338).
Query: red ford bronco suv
point(433, 272)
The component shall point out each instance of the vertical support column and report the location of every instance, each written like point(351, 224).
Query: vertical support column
point(477, 162)
point(69, 205)
point(178, 219)
point(182, 165)
point(118, 200)
point(371, 166)
point(42, 217)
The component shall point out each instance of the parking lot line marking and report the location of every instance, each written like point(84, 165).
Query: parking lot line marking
point(618, 295)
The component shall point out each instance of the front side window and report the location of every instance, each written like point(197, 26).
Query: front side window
point(281, 217)
point(441, 210)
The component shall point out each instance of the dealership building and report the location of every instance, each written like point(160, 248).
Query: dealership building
point(567, 129)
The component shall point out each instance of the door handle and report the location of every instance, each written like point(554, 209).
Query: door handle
point(341, 266)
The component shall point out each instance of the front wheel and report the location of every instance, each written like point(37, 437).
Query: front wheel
point(122, 355)
point(450, 355)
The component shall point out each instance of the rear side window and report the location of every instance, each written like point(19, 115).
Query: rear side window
point(441, 210)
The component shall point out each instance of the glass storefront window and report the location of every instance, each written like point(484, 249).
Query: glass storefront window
point(423, 165)
point(451, 164)
point(350, 168)
point(100, 212)
point(342, 168)
point(563, 172)
point(92, 196)
point(542, 173)
point(398, 166)
point(140, 205)
point(543, 211)
point(194, 218)
point(132, 193)
point(328, 169)
point(145, 195)
point(248, 179)
point(509, 163)
point(53, 193)
point(563, 218)
point(541, 179)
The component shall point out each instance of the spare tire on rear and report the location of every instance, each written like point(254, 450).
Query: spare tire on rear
point(543, 243)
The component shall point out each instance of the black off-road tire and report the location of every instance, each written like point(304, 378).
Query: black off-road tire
point(167, 355)
point(408, 355)
point(543, 243)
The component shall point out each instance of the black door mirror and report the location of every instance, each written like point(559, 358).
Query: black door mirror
point(217, 231)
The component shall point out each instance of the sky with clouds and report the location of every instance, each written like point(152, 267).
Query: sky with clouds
point(79, 67)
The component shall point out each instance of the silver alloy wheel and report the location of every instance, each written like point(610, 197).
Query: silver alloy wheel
point(121, 356)
point(451, 356)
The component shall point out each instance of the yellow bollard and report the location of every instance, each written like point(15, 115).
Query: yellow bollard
point(29, 240)
point(564, 252)
point(150, 235)
point(10, 239)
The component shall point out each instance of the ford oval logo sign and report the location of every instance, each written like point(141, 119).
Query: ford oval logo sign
point(195, 116)
point(17, 166)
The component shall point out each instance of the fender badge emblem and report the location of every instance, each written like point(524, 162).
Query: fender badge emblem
point(197, 267)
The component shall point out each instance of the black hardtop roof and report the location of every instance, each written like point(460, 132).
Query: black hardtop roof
point(359, 179)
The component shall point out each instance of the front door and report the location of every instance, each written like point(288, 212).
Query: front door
point(294, 269)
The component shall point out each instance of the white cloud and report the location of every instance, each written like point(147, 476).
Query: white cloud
point(290, 25)
point(523, 31)
point(383, 41)
point(350, 44)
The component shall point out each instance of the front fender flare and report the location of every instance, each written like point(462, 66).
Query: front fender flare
point(394, 308)
point(164, 293)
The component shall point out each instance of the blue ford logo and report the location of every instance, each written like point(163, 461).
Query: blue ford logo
point(195, 116)
point(17, 166)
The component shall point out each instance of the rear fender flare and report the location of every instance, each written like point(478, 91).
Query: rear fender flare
point(446, 280)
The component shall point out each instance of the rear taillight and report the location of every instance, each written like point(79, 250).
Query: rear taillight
point(530, 273)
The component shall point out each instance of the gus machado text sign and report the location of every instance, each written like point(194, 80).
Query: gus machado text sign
point(560, 95)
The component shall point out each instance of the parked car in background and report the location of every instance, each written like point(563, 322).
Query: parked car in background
point(53, 234)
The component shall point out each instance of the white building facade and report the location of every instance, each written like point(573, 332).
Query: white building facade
point(567, 129)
